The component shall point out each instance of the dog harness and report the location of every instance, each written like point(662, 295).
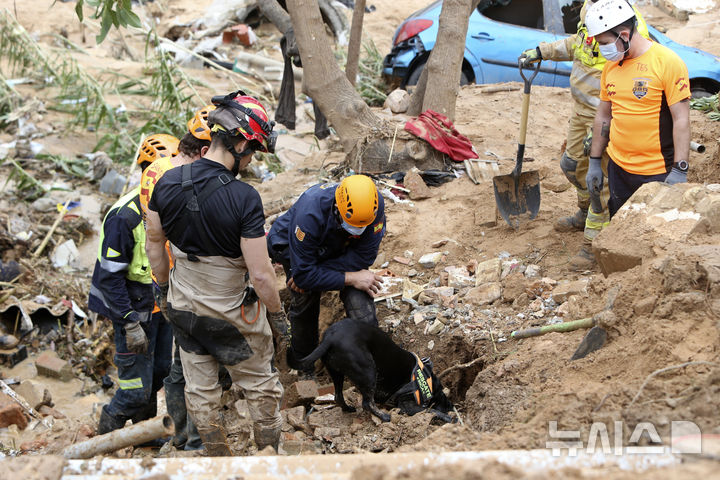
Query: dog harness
point(420, 385)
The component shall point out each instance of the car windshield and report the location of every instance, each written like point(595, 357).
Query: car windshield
point(525, 13)
point(570, 14)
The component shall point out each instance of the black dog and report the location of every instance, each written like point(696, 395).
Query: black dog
point(379, 369)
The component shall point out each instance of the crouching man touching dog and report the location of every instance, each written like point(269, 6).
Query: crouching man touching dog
point(327, 241)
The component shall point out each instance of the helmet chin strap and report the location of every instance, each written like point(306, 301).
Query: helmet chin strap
point(227, 141)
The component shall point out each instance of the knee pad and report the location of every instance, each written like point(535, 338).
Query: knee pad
point(569, 166)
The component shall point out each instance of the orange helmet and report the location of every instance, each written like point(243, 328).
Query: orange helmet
point(157, 146)
point(241, 114)
point(357, 200)
point(198, 125)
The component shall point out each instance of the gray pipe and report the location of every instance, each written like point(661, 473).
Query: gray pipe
point(125, 437)
point(697, 147)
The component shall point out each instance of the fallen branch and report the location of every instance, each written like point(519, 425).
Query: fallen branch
point(500, 88)
point(45, 241)
point(667, 369)
point(459, 367)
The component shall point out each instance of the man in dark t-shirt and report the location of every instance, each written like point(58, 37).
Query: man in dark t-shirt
point(215, 227)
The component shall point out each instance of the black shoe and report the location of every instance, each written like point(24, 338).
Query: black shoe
point(108, 423)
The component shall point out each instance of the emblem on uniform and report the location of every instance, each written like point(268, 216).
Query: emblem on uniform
point(640, 87)
point(610, 89)
point(681, 84)
point(378, 227)
point(299, 233)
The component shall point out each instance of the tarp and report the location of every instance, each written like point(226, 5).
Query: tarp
point(440, 133)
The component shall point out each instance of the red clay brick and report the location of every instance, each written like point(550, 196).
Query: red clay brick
point(302, 392)
point(13, 415)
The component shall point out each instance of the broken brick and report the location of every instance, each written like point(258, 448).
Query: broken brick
point(50, 365)
point(327, 433)
point(326, 389)
point(296, 417)
point(302, 392)
point(13, 415)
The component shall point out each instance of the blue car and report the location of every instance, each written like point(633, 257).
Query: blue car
point(499, 30)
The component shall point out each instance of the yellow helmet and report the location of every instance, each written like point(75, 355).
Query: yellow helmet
point(198, 125)
point(157, 146)
point(357, 200)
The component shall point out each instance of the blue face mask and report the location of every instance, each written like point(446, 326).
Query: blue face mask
point(352, 230)
point(611, 52)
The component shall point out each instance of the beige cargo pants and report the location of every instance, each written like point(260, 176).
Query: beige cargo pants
point(213, 327)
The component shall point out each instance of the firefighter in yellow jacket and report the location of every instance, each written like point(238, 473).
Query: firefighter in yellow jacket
point(592, 214)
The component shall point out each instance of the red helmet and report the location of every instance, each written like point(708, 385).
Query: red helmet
point(241, 114)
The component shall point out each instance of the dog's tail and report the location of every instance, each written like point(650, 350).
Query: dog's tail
point(315, 354)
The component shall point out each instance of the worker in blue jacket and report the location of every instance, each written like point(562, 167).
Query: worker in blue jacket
point(327, 241)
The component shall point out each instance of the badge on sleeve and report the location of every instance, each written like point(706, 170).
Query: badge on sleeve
point(299, 233)
point(378, 227)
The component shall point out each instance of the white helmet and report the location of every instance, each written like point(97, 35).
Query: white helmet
point(605, 15)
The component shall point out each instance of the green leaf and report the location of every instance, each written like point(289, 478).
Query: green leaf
point(104, 27)
point(79, 9)
point(115, 20)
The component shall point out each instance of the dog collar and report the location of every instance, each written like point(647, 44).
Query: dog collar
point(420, 385)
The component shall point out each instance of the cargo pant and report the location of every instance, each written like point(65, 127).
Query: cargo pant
point(213, 328)
point(305, 311)
point(140, 376)
point(581, 124)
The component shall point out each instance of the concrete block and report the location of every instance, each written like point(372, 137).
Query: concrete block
point(302, 392)
point(565, 290)
point(429, 260)
point(418, 189)
point(35, 393)
point(13, 415)
point(50, 365)
point(488, 271)
point(484, 294)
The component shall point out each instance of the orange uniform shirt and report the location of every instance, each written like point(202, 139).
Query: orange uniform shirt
point(641, 92)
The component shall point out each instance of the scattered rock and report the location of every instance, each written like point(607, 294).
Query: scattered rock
point(403, 260)
point(35, 393)
point(327, 433)
point(435, 328)
point(439, 243)
point(414, 182)
point(645, 306)
point(436, 295)
point(418, 318)
point(398, 101)
point(50, 365)
point(484, 294)
point(459, 277)
point(565, 289)
point(302, 392)
point(488, 271)
point(412, 272)
point(532, 271)
point(46, 411)
point(13, 415)
point(296, 417)
point(429, 260)
point(410, 290)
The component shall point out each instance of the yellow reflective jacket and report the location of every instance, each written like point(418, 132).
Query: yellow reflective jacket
point(587, 60)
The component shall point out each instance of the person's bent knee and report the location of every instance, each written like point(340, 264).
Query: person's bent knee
point(569, 167)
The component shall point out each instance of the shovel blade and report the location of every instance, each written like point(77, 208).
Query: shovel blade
point(517, 195)
point(594, 340)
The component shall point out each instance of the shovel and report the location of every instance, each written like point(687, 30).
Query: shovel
point(519, 192)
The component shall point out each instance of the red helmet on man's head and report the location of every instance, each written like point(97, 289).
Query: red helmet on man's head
point(241, 114)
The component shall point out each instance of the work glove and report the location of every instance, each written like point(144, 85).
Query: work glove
point(160, 292)
point(530, 56)
point(676, 176)
point(135, 338)
point(587, 143)
point(279, 323)
point(594, 180)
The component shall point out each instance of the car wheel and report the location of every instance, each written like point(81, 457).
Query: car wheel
point(700, 93)
point(414, 76)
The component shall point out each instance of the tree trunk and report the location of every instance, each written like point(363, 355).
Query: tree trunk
point(458, 20)
point(324, 82)
point(276, 14)
point(353, 56)
point(444, 66)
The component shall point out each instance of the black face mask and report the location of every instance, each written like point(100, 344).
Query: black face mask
point(228, 142)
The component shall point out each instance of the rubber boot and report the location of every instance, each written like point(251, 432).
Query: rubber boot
point(108, 423)
point(576, 222)
point(584, 260)
point(175, 401)
point(215, 440)
point(266, 436)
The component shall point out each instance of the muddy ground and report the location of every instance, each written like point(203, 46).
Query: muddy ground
point(507, 397)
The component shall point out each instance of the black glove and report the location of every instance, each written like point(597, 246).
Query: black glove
point(160, 291)
point(594, 180)
point(279, 324)
point(135, 337)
